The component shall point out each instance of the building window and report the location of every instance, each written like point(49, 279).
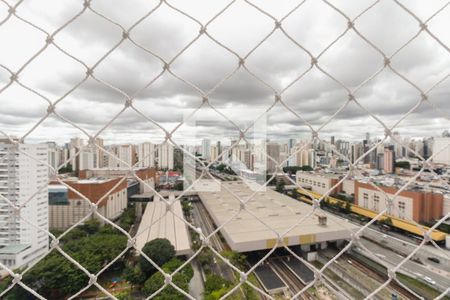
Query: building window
point(376, 203)
point(366, 200)
point(401, 209)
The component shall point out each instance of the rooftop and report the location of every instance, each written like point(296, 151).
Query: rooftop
point(158, 222)
point(13, 249)
point(277, 211)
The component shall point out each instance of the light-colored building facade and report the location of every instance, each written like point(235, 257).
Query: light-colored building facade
point(146, 155)
point(388, 160)
point(441, 150)
point(23, 178)
point(66, 207)
point(317, 183)
point(165, 156)
point(273, 156)
point(124, 156)
point(417, 205)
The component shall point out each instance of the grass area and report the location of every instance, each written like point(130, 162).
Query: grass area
point(420, 287)
point(344, 285)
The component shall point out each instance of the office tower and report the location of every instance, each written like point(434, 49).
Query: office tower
point(21, 178)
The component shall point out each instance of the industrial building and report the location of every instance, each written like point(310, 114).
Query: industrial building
point(273, 213)
point(160, 222)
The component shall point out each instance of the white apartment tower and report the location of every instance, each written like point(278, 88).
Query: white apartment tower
point(124, 157)
point(20, 178)
point(54, 157)
point(165, 156)
point(441, 150)
point(206, 149)
point(146, 155)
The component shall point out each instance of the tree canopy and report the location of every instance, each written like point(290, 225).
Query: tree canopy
point(159, 251)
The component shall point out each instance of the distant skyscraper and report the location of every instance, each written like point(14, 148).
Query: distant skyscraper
point(272, 150)
point(146, 155)
point(206, 149)
point(389, 160)
point(441, 150)
point(332, 141)
point(165, 156)
point(219, 149)
point(292, 161)
point(22, 179)
point(124, 156)
point(214, 153)
point(54, 157)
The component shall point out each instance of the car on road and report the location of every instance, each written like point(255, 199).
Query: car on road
point(434, 259)
point(380, 255)
point(429, 280)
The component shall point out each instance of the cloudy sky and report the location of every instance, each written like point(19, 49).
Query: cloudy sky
point(242, 98)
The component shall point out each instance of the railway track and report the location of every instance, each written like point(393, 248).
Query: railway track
point(293, 282)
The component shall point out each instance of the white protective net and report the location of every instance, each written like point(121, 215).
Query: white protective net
point(423, 98)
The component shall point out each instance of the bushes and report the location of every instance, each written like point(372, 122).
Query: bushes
point(55, 276)
point(127, 218)
point(180, 279)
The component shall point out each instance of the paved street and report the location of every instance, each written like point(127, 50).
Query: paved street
point(414, 269)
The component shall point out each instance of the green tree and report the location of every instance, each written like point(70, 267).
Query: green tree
point(236, 258)
point(348, 207)
point(205, 258)
point(402, 165)
point(54, 276)
point(127, 218)
point(179, 186)
point(215, 282)
point(280, 186)
point(91, 226)
point(180, 279)
point(134, 274)
point(159, 251)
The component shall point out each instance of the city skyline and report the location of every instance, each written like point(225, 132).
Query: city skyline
point(315, 97)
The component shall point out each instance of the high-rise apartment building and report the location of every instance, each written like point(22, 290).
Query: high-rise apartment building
point(165, 156)
point(389, 159)
point(441, 150)
point(146, 155)
point(206, 149)
point(23, 178)
point(54, 156)
point(273, 156)
point(124, 156)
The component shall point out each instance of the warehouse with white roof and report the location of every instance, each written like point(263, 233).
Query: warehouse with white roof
point(160, 222)
point(277, 213)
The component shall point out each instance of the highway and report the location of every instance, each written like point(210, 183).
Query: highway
point(411, 268)
point(360, 277)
